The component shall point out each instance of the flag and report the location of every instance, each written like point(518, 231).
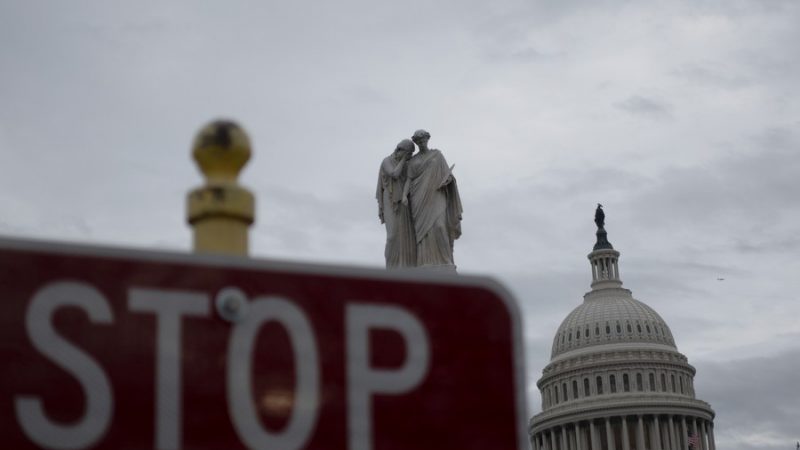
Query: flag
point(694, 440)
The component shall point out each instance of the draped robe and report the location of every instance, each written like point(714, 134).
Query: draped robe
point(435, 209)
point(401, 249)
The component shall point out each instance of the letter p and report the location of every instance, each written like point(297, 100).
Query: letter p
point(363, 381)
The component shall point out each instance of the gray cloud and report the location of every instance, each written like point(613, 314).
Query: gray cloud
point(755, 394)
point(750, 191)
point(299, 225)
point(645, 106)
point(713, 74)
point(766, 244)
point(366, 95)
point(524, 55)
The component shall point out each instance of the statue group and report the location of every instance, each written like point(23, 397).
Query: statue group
point(418, 202)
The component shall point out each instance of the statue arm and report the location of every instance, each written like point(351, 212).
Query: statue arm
point(449, 178)
point(442, 163)
point(379, 195)
point(395, 172)
point(406, 188)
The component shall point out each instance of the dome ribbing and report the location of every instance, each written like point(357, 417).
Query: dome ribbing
point(610, 319)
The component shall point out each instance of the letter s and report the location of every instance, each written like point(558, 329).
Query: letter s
point(99, 402)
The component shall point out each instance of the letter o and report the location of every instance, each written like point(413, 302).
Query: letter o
point(240, 387)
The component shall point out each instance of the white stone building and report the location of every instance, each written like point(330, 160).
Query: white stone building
point(616, 380)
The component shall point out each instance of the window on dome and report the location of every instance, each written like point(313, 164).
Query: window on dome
point(555, 390)
point(569, 337)
point(597, 330)
point(599, 385)
point(612, 383)
point(639, 383)
point(564, 392)
point(578, 334)
point(648, 328)
point(574, 388)
point(608, 329)
point(656, 330)
point(619, 329)
point(585, 387)
point(663, 383)
point(681, 383)
point(629, 329)
point(652, 379)
point(673, 382)
point(626, 385)
point(587, 333)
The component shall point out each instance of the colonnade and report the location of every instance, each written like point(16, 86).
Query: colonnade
point(605, 268)
point(630, 432)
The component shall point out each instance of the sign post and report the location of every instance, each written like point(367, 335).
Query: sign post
point(221, 210)
point(109, 348)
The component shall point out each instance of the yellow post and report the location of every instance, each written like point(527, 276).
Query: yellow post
point(221, 211)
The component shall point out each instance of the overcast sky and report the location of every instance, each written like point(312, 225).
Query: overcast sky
point(681, 117)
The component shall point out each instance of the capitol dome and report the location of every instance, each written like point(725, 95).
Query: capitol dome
point(610, 317)
point(616, 380)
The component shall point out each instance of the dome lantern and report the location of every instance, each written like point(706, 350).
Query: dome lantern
point(604, 259)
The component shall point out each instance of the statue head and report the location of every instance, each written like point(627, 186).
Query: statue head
point(421, 137)
point(405, 146)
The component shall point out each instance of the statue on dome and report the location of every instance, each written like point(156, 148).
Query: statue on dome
point(602, 236)
point(599, 216)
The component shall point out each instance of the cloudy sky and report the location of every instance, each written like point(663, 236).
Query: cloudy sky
point(681, 117)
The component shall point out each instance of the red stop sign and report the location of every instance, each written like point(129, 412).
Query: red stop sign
point(108, 348)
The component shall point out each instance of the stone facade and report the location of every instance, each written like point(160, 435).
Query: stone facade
point(616, 380)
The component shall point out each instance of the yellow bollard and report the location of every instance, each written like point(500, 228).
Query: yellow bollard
point(221, 211)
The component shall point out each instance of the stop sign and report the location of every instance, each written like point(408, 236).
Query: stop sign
point(109, 348)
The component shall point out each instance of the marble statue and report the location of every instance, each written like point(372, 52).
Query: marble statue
point(432, 194)
point(401, 247)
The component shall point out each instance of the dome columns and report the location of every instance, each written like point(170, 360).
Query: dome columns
point(626, 439)
point(594, 435)
point(605, 269)
point(655, 435)
point(627, 432)
point(639, 432)
point(609, 434)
